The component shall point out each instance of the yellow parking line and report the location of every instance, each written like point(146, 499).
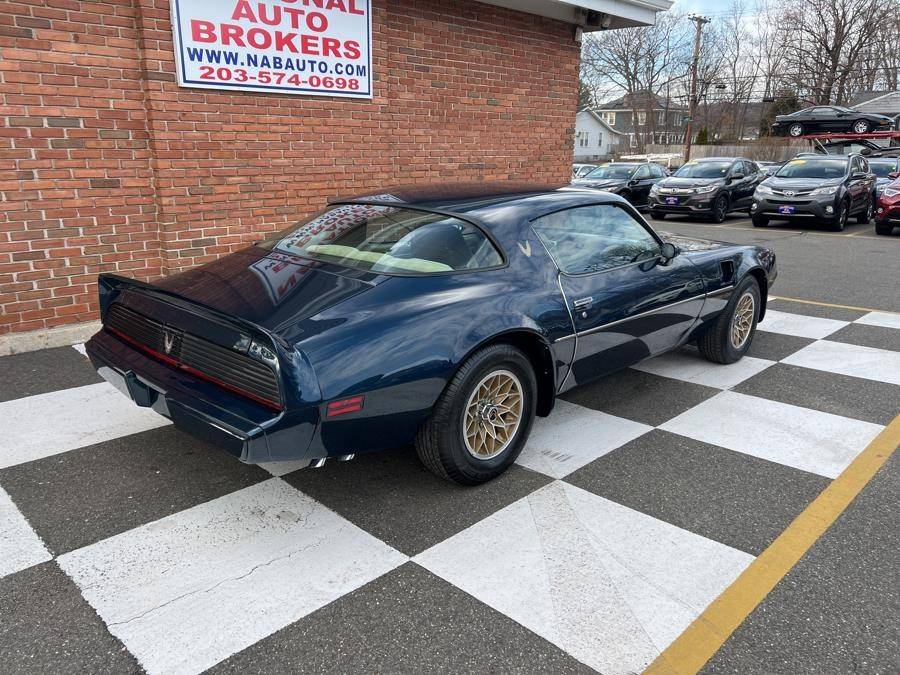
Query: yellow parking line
point(831, 304)
point(702, 639)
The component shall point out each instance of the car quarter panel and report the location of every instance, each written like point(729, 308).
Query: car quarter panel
point(401, 342)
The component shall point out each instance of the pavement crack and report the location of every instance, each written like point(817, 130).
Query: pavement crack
point(202, 591)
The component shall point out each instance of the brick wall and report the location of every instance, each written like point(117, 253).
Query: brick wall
point(107, 165)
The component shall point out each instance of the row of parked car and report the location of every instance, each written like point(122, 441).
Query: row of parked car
point(826, 189)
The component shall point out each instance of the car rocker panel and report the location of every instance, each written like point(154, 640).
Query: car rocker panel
point(303, 348)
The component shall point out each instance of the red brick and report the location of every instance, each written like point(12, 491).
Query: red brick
point(107, 165)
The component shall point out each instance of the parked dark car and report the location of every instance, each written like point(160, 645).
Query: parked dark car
point(631, 180)
point(887, 209)
point(441, 317)
point(828, 189)
point(580, 170)
point(711, 187)
point(830, 118)
point(886, 170)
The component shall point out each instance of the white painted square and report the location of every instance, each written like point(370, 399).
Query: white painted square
point(20, 547)
point(48, 424)
point(805, 439)
point(846, 359)
point(186, 591)
point(282, 468)
point(883, 319)
point(691, 367)
point(609, 585)
point(574, 436)
point(813, 327)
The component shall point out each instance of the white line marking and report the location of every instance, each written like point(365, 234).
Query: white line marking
point(805, 439)
point(186, 591)
point(610, 585)
point(799, 325)
point(574, 436)
point(691, 367)
point(80, 349)
point(846, 359)
point(48, 424)
point(883, 319)
point(20, 546)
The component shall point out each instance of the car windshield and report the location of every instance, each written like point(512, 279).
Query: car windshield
point(703, 170)
point(882, 169)
point(612, 171)
point(813, 168)
point(389, 239)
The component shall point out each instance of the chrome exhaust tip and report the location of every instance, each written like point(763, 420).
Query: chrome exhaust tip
point(345, 458)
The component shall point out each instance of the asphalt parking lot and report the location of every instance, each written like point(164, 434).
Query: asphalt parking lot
point(646, 514)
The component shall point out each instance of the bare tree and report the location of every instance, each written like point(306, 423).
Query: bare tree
point(827, 43)
point(638, 63)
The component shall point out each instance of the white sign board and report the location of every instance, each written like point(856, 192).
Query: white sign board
point(312, 47)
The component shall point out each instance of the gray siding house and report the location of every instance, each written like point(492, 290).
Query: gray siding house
point(657, 120)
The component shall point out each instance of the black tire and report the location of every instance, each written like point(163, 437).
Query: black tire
point(861, 127)
point(716, 344)
point(657, 215)
point(760, 221)
point(719, 209)
point(839, 222)
point(795, 130)
point(441, 444)
point(865, 216)
point(883, 228)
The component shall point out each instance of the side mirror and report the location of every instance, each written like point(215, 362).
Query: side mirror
point(859, 175)
point(865, 152)
point(668, 251)
point(737, 176)
point(634, 181)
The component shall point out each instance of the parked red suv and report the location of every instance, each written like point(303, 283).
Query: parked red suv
point(887, 209)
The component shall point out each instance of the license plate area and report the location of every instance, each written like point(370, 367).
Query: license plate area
point(787, 210)
point(672, 201)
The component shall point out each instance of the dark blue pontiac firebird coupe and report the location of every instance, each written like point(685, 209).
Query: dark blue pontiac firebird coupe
point(446, 317)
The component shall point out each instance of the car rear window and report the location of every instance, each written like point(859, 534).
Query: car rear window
point(813, 168)
point(389, 239)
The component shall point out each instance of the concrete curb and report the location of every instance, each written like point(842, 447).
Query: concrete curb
point(17, 343)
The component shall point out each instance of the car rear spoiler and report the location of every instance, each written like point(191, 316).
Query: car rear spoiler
point(111, 286)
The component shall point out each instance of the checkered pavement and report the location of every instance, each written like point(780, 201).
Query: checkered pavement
point(127, 546)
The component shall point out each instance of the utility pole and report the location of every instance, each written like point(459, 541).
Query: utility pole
point(689, 129)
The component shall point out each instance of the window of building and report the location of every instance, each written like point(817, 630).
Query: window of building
point(582, 139)
point(609, 118)
point(600, 139)
point(642, 118)
point(661, 118)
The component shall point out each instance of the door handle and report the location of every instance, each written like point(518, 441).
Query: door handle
point(583, 303)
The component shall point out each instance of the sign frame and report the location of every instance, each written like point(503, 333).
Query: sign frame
point(183, 81)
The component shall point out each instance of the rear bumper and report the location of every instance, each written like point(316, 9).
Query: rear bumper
point(247, 430)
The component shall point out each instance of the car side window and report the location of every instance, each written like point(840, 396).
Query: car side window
point(750, 168)
point(642, 173)
point(589, 239)
point(658, 171)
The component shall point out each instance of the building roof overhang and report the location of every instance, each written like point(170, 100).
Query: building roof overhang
point(592, 15)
